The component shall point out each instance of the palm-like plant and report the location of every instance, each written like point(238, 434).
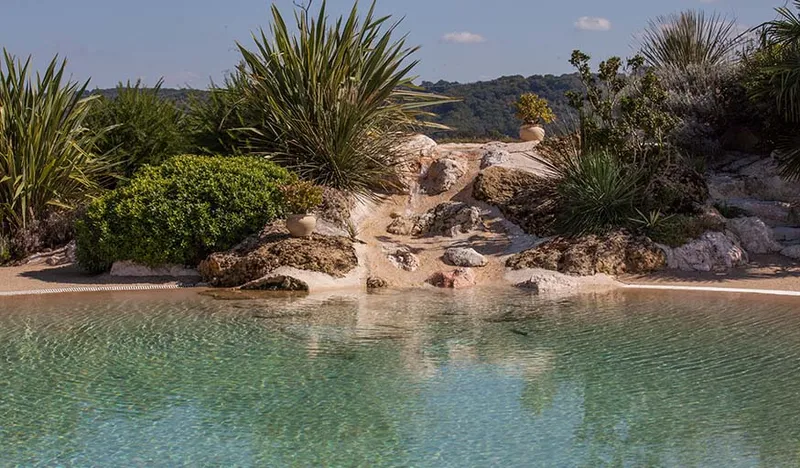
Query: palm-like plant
point(333, 101)
point(689, 38)
point(776, 79)
point(46, 158)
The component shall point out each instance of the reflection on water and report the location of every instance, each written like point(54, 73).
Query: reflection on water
point(400, 379)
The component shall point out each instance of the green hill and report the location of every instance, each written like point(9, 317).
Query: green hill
point(484, 112)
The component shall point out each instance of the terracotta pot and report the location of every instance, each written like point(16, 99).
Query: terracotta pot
point(531, 133)
point(301, 225)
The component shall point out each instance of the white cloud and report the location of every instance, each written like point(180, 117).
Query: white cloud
point(592, 23)
point(464, 37)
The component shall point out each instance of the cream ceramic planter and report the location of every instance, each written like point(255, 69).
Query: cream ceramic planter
point(531, 133)
point(301, 225)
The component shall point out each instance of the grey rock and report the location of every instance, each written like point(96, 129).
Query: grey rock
point(449, 219)
point(793, 252)
point(787, 235)
point(713, 251)
point(773, 213)
point(755, 236)
point(464, 257)
point(494, 156)
point(418, 145)
point(723, 187)
point(442, 175)
point(403, 258)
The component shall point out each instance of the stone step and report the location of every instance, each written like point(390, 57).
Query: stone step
point(787, 234)
point(773, 213)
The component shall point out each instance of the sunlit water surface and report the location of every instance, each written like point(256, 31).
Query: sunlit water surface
point(400, 379)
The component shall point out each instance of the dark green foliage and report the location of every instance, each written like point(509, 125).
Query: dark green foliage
point(331, 100)
point(144, 128)
point(680, 229)
point(215, 118)
point(180, 211)
point(622, 109)
point(485, 110)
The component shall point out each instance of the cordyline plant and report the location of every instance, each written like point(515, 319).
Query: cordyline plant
point(335, 100)
point(46, 158)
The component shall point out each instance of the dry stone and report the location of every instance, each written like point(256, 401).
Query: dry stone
point(442, 175)
point(713, 251)
point(755, 236)
point(459, 278)
point(464, 257)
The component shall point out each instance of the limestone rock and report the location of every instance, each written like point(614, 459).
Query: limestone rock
point(613, 254)
point(376, 282)
point(459, 278)
point(265, 253)
point(755, 236)
point(464, 257)
point(136, 270)
point(286, 278)
point(402, 225)
point(525, 199)
point(403, 259)
point(787, 235)
point(723, 187)
point(713, 251)
point(442, 175)
point(418, 145)
point(773, 213)
point(449, 219)
point(793, 251)
point(548, 282)
point(494, 156)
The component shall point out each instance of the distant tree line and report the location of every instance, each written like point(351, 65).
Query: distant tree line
point(485, 109)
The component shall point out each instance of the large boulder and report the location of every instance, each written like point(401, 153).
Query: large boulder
point(755, 236)
point(445, 219)
point(274, 248)
point(548, 282)
point(459, 278)
point(525, 199)
point(787, 235)
point(613, 254)
point(464, 257)
point(442, 175)
point(713, 251)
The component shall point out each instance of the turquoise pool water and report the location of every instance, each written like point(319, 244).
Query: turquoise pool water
point(400, 379)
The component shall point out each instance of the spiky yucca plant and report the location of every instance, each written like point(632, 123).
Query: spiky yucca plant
point(46, 158)
point(689, 38)
point(333, 101)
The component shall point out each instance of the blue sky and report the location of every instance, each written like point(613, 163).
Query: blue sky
point(188, 42)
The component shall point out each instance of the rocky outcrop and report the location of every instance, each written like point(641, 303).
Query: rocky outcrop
point(135, 270)
point(613, 254)
point(63, 256)
point(442, 175)
point(525, 199)
point(713, 251)
point(262, 255)
point(755, 236)
point(459, 278)
point(464, 257)
point(445, 219)
point(773, 213)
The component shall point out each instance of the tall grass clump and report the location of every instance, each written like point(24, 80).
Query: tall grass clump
point(144, 128)
point(47, 161)
point(689, 38)
point(334, 100)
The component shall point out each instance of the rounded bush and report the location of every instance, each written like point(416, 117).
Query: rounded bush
point(180, 211)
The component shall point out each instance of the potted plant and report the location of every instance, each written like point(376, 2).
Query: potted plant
point(533, 111)
point(299, 199)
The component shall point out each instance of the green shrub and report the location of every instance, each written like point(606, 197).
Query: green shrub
point(46, 158)
point(300, 196)
point(534, 110)
point(180, 211)
point(330, 100)
point(144, 128)
point(595, 192)
point(680, 229)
